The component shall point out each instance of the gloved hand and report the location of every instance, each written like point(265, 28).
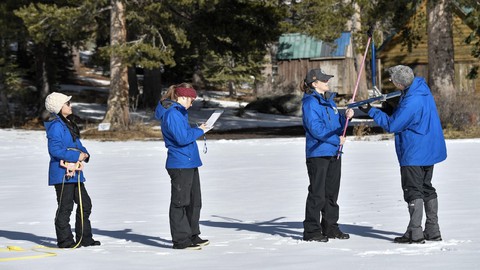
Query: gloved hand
point(365, 108)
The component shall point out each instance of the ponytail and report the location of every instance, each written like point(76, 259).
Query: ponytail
point(305, 87)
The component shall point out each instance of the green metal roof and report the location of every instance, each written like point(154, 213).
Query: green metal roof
point(297, 46)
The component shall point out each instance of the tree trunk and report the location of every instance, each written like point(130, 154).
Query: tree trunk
point(358, 49)
point(5, 117)
point(197, 79)
point(441, 69)
point(76, 59)
point(133, 90)
point(231, 89)
point(152, 87)
point(117, 106)
point(264, 86)
point(42, 79)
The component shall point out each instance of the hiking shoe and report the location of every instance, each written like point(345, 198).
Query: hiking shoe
point(407, 240)
point(337, 234)
point(199, 241)
point(316, 238)
point(189, 247)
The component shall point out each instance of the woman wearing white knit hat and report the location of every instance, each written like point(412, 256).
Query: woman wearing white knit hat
point(65, 173)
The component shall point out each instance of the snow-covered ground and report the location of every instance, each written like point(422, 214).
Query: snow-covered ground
point(254, 195)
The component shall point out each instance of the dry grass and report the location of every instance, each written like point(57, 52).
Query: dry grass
point(469, 133)
point(33, 124)
point(361, 130)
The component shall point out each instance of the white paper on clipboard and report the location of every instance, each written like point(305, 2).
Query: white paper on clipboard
point(213, 118)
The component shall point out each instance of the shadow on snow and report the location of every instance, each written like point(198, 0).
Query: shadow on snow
point(294, 229)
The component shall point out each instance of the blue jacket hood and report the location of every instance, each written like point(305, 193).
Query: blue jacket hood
point(418, 87)
point(326, 99)
point(162, 108)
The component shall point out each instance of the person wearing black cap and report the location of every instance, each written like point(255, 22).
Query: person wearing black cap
point(182, 165)
point(324, 128)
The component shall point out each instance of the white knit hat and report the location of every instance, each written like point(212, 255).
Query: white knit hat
point(54, 102)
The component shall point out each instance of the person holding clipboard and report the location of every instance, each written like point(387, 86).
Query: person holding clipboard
point(183, 160)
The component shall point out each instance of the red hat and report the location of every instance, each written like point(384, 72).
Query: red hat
point(186, 92)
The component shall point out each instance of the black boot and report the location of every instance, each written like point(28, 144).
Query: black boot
point(408, 240)
point(316, 238)
point(196, 240)
point(90, 243)
point(336, 233)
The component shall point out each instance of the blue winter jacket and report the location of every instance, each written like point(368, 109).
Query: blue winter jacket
point(323, 125)
point(419, 137)
point(62, 147)
point(180, 138)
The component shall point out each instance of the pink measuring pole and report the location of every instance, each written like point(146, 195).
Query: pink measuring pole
point(355, 92)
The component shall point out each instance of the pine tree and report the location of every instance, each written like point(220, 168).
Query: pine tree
point(51, 28)
point(10, 32)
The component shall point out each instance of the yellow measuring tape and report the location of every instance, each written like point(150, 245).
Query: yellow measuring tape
point(37, 248)
point(19, 249)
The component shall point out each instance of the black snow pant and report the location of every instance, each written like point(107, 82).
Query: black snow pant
point(324, 174)
point(419, 193)
point(185, 205)
point(66, 200)
point(417, 183)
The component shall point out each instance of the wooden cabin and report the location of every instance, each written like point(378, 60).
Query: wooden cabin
point(298, 53)
point(393, 52)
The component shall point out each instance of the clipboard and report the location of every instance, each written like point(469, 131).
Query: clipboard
point(213, 118)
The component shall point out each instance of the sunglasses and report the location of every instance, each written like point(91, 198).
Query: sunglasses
point(68, 103)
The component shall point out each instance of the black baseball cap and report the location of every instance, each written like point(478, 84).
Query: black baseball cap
point(317, 74)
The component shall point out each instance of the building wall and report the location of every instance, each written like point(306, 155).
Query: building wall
point(394, 53)
point(292, 73)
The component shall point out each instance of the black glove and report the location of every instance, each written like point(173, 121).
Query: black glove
point(365, 108)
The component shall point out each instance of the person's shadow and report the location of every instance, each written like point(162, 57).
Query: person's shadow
point(125, 234)
point(293, 229)
point(272, 227)
point(28, 237)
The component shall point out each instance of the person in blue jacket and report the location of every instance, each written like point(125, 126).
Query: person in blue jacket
point(419, 143)
point(65, 147)
point(324, 128)
point(182, 164)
